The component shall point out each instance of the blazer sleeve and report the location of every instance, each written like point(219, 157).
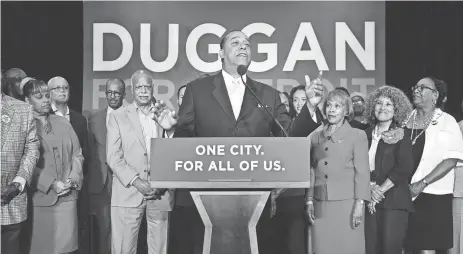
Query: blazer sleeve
point(91, 160)
point(403, 166)
point(303, 124)
point(115, 153)
point(77, 159)
point(31, 150)
point(186, 116)
point(282, 116)
point(85, 147)
point(361, 167)
point(42, 179)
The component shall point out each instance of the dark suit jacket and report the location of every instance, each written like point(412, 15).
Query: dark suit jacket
point(99, 173)
point(79, 124)
point(206, 111)
point(394, 161)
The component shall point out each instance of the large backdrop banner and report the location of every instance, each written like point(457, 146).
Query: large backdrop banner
point(178, 41)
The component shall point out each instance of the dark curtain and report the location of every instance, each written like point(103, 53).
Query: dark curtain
point(426, 39)
point(422, 39)
point(45, 40)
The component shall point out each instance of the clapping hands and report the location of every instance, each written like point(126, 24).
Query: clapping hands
point(63, 188)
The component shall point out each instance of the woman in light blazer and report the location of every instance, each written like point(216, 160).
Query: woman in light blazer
point(437, 149)
point(340, 178)
point(56, 178)
point(391, 166)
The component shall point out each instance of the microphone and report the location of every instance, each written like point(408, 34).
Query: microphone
point(242, 71)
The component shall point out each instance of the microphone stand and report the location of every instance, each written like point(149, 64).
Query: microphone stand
point(263, 106)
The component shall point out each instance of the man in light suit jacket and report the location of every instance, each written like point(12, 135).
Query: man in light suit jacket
point(100, 176)
point(20, 153)
point(221, 106)
point(130, 130)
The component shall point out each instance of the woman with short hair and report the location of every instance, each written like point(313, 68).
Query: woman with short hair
point(437, 146)
point(340, 178)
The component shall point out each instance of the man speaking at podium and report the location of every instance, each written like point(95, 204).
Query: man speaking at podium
point(223, 106)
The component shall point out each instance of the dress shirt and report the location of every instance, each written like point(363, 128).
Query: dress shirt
point(58, 113)
point(108, 113)
point(148, 127)
point(235, 89)
point(374, 146)
point(314, 116)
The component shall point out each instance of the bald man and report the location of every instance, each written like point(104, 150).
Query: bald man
point(99, 174)
point(59, 94)
point(13, 77)
point(129, 134)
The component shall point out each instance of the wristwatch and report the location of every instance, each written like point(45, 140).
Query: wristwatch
point(425, 182)
point(309, 201)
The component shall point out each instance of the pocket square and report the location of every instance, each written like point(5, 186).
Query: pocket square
point(260, 106)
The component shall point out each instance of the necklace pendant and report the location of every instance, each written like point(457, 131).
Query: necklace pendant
point(413, 142)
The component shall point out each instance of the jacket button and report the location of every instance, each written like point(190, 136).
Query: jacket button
point(326, 163)
point(326, 148)
point(145, 154)
point(326, 176)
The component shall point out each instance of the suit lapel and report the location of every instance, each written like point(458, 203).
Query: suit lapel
point(100, 123)
point(248, 100)
point(221, 95)
point(72, 118)
point(135, 122)
point(8, 114)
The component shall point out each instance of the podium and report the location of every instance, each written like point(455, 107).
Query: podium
point(232, 178)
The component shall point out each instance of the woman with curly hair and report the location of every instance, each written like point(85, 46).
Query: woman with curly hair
point(391, 165)
point(437, 147)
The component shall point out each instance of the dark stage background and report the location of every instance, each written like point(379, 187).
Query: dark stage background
point(422, 39)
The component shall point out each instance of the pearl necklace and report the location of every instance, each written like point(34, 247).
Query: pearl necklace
point(426, 125)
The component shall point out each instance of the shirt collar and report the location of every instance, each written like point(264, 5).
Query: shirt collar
point(338, 135)
point(229, 78)
point(110, 110)
point(54, 108)
point(137, 108)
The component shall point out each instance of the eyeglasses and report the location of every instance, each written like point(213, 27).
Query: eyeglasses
point(112, 93)
point(357, 102)
point(420, 88)
point(62, 88)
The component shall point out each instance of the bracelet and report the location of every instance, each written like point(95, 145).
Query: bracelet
point(309, 202)
point(360, 201)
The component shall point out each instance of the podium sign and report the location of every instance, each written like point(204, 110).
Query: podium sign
point(230, 162)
